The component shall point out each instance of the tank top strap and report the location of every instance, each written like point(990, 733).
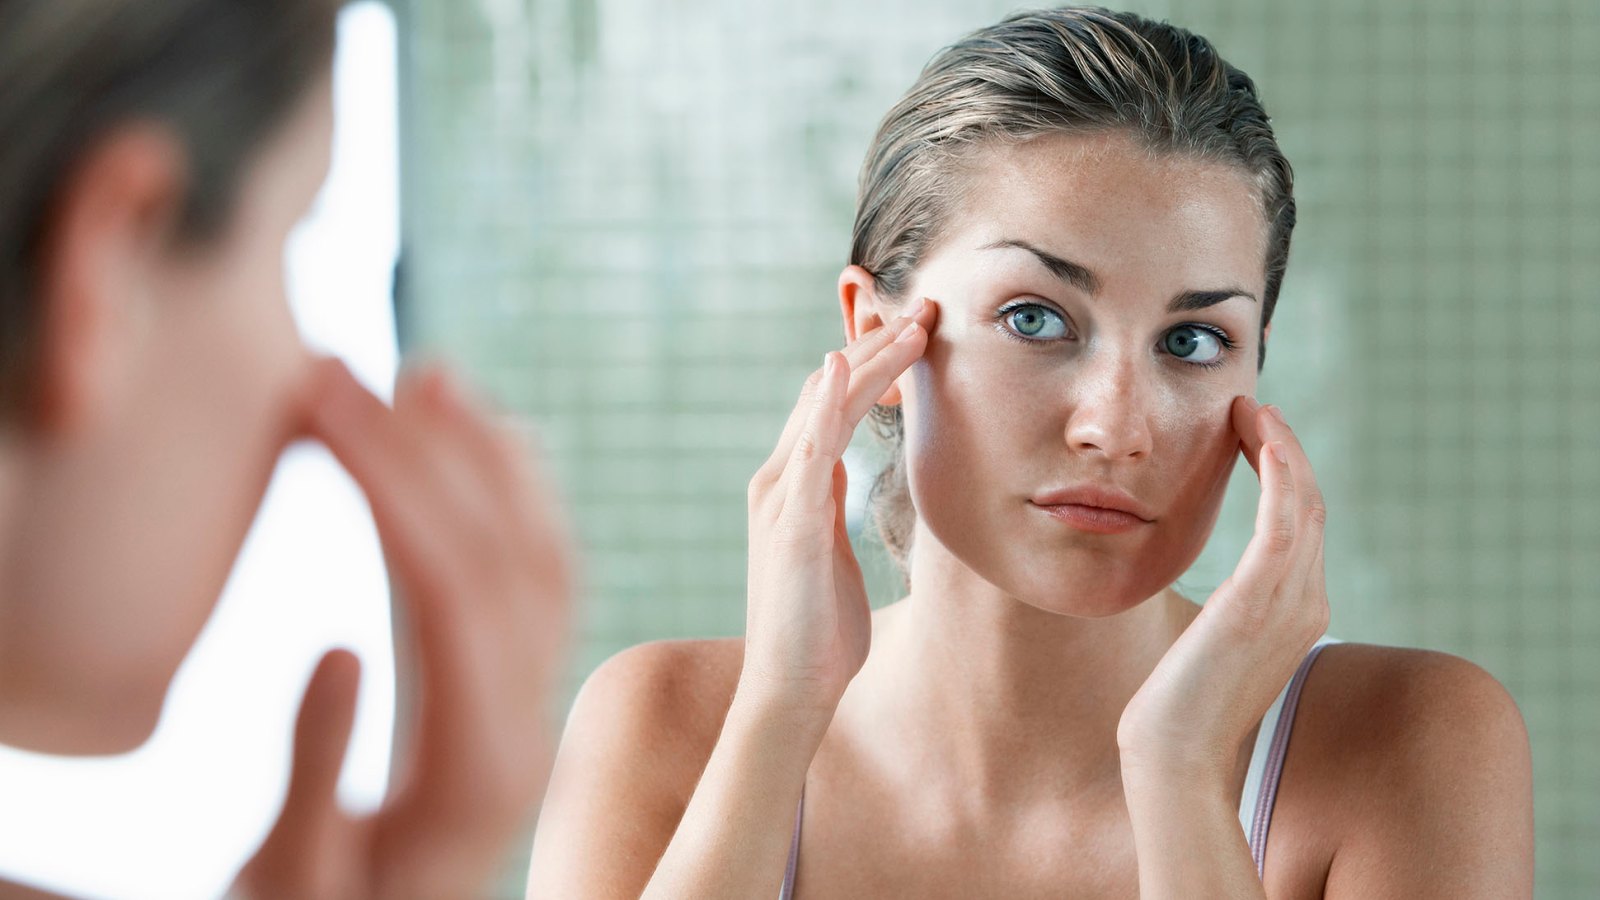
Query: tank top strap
point(1266, 760)
point(786, 892)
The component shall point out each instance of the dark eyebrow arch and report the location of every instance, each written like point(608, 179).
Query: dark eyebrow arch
point(1064, 269)
point(1083, 279)
point(1188, 301)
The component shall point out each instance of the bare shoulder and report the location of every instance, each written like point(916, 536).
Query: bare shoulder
point(1408, 710)
point(636, 740)
point(668, 696)
point(1418, 765)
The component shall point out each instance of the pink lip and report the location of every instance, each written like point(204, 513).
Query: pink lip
point(1096, 509)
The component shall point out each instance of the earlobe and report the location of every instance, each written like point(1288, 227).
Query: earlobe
point(108, 226)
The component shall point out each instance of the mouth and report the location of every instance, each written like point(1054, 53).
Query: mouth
point(1094, 509)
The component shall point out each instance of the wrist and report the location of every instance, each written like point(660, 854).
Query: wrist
point(765, 715)
point(1144, 772)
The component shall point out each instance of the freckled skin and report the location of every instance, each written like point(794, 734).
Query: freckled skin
point(992, 421)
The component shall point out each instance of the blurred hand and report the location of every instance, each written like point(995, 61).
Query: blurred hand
point(809, 626)
point(482, 569)
point(1220, 677)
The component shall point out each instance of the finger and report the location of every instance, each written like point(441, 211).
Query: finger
point(363, 433)
point(418, 519)
point(1266, 557)
point(487, 468)
point(841, 493)
point(874, 377)
point(809, 473)
point(1309, 506)
point(1244, 416)
point(321, 734)
point(923, 313)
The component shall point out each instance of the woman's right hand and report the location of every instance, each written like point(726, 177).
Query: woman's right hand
point(482, 568)
point(808, 624)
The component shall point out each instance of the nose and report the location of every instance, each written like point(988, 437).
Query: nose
point(1110, 416)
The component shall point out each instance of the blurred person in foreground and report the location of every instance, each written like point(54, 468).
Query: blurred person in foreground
point(155, 155)
point(1069, 240)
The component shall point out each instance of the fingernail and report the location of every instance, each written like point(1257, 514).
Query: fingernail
point(828, 364)
point(1276, 413)
point(909, 332)
point(1279, 452)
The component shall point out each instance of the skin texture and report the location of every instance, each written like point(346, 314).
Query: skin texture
point(169, 378)
point(1043, 715)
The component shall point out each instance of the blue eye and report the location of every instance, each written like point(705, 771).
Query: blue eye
point(1036, 323)
point(1195, 344)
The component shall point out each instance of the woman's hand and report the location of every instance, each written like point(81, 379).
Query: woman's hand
point(482, 569)
point(809, 624)
point(1192, 714)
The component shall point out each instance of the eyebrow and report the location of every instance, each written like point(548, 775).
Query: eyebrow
point(1082, 278)
point(1065, 269)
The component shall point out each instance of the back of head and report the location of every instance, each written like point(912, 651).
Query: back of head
point(218, 74)
point(1078, 70)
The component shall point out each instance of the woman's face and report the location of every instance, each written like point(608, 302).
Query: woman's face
point(127, 520)
point(1100, 308)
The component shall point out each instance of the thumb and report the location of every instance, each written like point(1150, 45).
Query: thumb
point(311, 809)
point(321, 733)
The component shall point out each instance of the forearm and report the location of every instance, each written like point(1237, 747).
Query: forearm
point(733, 840)
point(1187, 838)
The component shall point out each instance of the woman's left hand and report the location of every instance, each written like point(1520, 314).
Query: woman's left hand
point(1192, 715)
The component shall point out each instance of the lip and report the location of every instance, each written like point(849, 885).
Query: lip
point(1094, 508)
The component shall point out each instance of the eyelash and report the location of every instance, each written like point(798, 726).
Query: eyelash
point(1229, 345)
point(1005, 311)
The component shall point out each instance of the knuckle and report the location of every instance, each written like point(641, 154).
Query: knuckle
point(806, 447)
point(1317, 512)
point(1321, 618)
point(1252, 617)
point(1280, 537)
point(809, 388)
point(762, 488)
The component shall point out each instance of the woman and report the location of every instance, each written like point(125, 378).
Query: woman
point(1069, 240)
point(156, 155)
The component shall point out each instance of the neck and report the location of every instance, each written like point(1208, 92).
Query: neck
point(1011, 700)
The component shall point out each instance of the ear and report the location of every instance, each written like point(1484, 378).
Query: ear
point(107, 230)
point(858, 302)
point(860, 305)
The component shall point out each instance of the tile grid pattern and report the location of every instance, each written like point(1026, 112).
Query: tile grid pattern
point(627, 218)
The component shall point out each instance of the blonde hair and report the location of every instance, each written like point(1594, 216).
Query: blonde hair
point(1077, 70)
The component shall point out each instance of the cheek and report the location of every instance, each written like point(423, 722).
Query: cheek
point(972, 407)
point(1196, 451)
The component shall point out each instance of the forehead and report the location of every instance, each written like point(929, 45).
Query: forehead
point(1139, 220)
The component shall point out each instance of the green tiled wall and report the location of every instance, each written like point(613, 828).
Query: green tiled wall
point(626, 217)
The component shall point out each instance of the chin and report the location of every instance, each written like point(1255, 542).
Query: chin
point(120, 722)
point(1092, 598)
point(1087, 576)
